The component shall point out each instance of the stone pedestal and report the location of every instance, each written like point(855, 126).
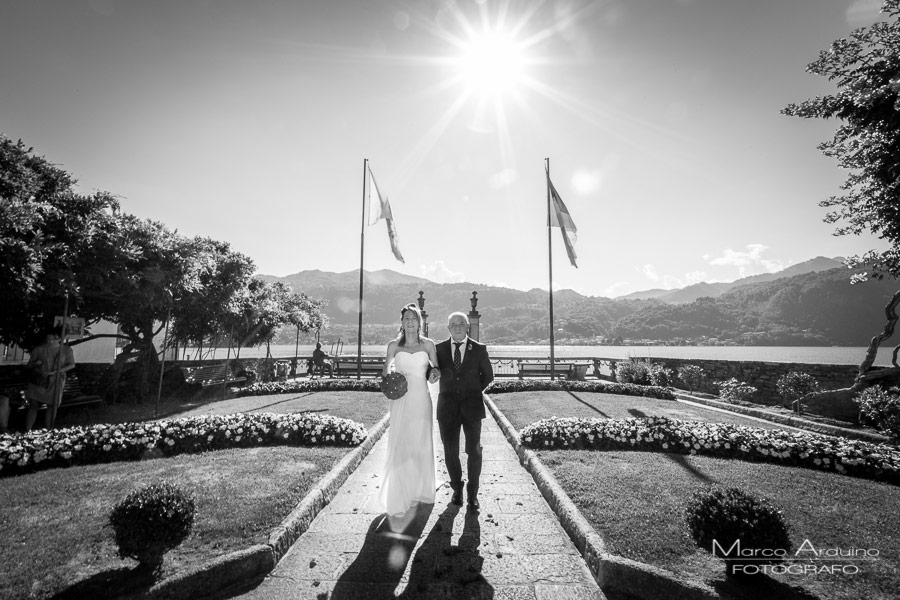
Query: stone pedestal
point(474, 319)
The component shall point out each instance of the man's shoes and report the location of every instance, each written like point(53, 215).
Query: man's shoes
point(457, 498)
point(473, 503)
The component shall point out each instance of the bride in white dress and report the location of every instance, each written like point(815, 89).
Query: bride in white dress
point(409, 475)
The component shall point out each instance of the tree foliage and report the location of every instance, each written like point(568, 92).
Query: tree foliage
point(866, 69)
point(62, 249)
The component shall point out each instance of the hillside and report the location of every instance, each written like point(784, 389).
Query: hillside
point(811, 308)
point(715, 289)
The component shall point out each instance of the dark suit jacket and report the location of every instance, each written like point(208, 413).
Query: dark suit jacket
point(461, 393)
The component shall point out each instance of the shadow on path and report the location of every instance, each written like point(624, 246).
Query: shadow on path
point(593, 408)
point(383, 558)
point(443, 570)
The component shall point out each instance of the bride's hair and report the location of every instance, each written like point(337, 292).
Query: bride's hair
point(402, 336)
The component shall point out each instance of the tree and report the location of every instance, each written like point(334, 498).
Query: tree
point(46, 233)
point(866, 68)
point(217, 274)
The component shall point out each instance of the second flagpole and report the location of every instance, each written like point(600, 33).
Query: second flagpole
point(550, 263)
point(362, 253)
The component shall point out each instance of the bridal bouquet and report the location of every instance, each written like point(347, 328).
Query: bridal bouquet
point(393, 385)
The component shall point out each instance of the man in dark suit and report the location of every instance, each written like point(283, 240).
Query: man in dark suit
point(465, 373)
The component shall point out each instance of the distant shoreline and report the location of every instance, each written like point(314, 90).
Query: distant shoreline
point(836, 355)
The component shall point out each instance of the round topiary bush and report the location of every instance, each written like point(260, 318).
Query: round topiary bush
point(150, 521)
point(746, 531)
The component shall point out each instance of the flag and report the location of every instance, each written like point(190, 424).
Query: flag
point(560, 217)
point(380, 208)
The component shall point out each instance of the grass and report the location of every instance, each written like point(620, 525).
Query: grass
point(54, 522)
point(634, 500)
point(527, 407)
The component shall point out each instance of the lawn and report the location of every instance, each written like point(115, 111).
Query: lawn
point(54, 521)
point(524, 408)
point(634, 500)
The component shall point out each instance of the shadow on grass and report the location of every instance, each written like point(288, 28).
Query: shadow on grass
point(760, 586)
point(593, 408)
point(681, 461)
point(106, 585)
point(637, 413)
point(257, 408)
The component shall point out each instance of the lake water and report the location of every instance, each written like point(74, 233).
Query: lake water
point(799, 354)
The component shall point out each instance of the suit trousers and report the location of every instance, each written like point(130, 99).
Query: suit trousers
point(450, 440)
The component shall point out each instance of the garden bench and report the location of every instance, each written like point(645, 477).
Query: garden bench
point(74, 396)
point(208, 375)
point(541, 368)
point(346, 367)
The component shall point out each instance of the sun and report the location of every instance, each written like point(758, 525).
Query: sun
point(492, 63)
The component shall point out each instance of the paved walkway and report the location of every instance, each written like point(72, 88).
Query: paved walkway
point(513, 548)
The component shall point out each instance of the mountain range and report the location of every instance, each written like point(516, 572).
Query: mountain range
point(811, 303)
point(712, 290)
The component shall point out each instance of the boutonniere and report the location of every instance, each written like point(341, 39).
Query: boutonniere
point(468, 346)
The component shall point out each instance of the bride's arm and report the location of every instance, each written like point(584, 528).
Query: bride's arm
point(389, 354)
point(435, 372)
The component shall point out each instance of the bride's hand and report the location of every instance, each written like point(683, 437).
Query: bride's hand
point(434, 374)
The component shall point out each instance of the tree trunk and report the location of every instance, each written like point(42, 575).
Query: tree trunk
point(865, 376)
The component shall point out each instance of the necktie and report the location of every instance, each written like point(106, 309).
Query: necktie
point(457, 357)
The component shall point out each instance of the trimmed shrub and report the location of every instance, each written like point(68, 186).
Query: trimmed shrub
point(661, 376)
point(744, 530)
point(691, 376)
point(881, 408)
point(633, 371)
point(150, 521)
point(794, 385)
point(733, 390)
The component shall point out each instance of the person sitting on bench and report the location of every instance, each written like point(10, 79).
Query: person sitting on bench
point(322, 362)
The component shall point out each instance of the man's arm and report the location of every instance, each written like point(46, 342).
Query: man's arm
point(486, 370)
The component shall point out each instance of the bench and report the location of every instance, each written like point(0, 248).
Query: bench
point(541, 368)
point(209, 375)
point(73, 396)
point(346, 367)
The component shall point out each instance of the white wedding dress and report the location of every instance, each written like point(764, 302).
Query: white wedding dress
point(409, 474)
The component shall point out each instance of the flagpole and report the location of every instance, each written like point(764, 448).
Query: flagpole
point(362, 250)
point(550, 264)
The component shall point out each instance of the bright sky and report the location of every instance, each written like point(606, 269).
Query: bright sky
point(249, 122)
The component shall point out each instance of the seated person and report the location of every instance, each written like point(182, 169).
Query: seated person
point(322, 362)
point(4, 413)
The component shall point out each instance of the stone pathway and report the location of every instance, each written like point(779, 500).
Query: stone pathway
point(513, 548)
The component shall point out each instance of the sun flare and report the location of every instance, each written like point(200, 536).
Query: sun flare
point(492, 63)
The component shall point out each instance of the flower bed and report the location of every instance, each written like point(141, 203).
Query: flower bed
point(660, 434)
point(311, 385)
point(38, 450)
point(506, 386)
point(500, 386)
